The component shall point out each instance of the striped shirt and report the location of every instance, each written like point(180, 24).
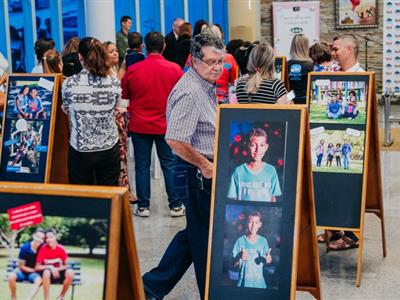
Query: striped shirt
point(269, 91)
point(191, 113)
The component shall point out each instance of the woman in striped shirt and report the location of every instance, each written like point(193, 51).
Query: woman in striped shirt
point(260, 85)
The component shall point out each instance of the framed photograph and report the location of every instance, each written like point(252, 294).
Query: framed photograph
point(60, 241)
point(337, 151)
point(356, 13)
point(256, 160)
point(29, 118)
point(252, 246)
point(338, 101)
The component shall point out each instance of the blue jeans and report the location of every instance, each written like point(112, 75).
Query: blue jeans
point(319, 159)
point(142, 145)
point(189, 245)
point(346, 160)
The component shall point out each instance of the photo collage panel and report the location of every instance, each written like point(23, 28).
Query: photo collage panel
point(27, 124)
point(338, 114)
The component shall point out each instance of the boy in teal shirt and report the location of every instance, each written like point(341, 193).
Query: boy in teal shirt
point(250, 253)
point(255, 180)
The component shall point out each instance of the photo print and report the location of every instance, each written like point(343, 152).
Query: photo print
point(46, 252)
point(339, 102)
point(337, 151)
point(256, 161)
point(30, 98)
point(251, 250)
point(356, 13)
point(24, 147)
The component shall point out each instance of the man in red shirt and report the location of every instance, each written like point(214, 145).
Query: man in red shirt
point(147, 85)
point(52, 262)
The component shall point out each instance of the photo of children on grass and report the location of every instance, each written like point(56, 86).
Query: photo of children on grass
point(342, 102)
point(337, 151)
point(251, 250)
point(23, 146)
point(53, 259)
point(30, 99)
point(257, 151)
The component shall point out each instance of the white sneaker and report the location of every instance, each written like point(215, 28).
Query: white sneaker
point(143, 212)
point(177, 212)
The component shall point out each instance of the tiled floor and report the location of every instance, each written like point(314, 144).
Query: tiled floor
point(380, 276)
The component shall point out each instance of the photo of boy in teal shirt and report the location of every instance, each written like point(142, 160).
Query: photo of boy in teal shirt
point(250, 253)
point(255, 180)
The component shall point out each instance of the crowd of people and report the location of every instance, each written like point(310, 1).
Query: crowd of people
point(168, 96)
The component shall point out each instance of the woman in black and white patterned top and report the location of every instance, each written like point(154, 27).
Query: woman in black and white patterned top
point(90, 98)
point(260, 85)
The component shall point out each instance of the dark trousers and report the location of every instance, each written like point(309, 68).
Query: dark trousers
point(188, 245)
point(142, 145)
point(100, 167)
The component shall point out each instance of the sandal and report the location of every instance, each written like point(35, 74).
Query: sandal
point(332, 234)
point(344, 243)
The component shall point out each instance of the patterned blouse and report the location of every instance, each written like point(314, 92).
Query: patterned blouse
point(90, 101)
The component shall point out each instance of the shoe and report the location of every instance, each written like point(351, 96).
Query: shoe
point(177, 212)
point(344, 243)
point(143, 212)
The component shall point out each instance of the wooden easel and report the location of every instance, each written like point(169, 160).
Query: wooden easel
point(372, 190)
point(308, 268)
point(59, 159)
point(122, 274)
point(371, 199)
point(305, 271)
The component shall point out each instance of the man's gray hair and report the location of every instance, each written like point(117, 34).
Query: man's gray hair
point(205, 40)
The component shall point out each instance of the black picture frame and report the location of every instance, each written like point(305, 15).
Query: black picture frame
point(28, 127)
point(228, 216)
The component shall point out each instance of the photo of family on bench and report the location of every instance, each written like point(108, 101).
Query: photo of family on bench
point(53, 258)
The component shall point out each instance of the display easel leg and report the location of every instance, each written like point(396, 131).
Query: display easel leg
point(359, 259)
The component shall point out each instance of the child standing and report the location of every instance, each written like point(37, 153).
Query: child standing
point(330, 152)
point(250, 253)
point(255, 180)
point(338, 151)
point(320, 152)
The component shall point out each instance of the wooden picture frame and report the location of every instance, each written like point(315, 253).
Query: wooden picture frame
point(360, 189)
point(28, 127)
point(290, 219)
point(119, 275)
point(360, 14)
point(281, 69)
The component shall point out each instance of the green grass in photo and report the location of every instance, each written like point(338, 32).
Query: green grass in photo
point(318, 115)
point(356, 167)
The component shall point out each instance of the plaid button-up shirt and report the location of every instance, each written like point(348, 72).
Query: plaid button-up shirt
point(191, 113)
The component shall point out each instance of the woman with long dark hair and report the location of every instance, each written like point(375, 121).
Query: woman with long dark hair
point(90, 98)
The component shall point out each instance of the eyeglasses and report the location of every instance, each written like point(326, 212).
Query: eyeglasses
point(213, 64)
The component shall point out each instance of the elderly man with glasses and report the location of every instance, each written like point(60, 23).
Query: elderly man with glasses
point(191, 117)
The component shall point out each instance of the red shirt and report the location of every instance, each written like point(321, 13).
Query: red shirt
point(49, 256)
point(147, 85)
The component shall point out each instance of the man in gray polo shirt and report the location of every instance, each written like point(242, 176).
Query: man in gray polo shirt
point(191, 112)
